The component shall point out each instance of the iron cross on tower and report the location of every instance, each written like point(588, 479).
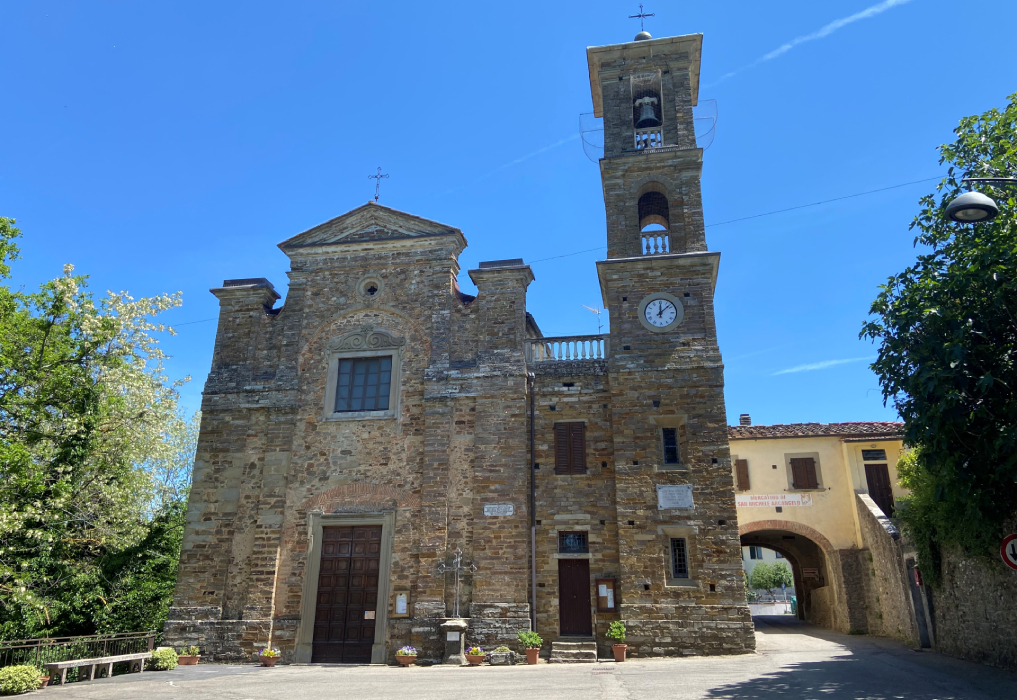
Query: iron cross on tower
point(377, 178)
point(457, 567)
point(642, 15)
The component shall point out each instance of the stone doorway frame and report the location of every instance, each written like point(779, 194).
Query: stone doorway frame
point(316, 521)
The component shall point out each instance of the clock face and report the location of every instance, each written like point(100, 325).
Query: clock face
point(660, 313)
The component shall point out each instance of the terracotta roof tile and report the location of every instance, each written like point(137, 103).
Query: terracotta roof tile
point(844, 430)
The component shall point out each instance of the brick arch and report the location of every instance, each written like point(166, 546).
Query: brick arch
point(789, 526)
point(362, 495)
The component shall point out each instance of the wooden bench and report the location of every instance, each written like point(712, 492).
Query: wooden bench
point(106, 661)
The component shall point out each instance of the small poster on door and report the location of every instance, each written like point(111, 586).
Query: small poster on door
point(368, 614)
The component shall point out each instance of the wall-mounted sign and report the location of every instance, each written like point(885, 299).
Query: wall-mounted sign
point(1008, 550)
point(402, 604)
point(674, 496)
point(452, 636)
point(499, 509)
point(605, 595)
point(368, 614)
point(773, 500)
point(810, 573)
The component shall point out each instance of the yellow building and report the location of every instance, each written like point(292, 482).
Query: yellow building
point(809, 491)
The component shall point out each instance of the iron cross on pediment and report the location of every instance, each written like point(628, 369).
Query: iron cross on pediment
point(377, 184)
point(458, 568)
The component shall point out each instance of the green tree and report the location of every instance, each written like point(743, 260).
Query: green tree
point(84, 404)
point(769, 576)
point(947, 333)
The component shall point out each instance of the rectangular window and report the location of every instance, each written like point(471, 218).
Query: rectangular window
point(679, 558)
point(363, 384)
point(670, 437)
point(873, 455)
point(803, 473)
point(755, 552)
point(573, 543)
point(742, 474)
point(779, 555)
point(570, 448)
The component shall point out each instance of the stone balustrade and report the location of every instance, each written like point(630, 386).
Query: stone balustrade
point(570, 347)
point(656, 243)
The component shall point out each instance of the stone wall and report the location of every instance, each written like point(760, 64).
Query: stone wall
point(974, 610)
point(889, 610)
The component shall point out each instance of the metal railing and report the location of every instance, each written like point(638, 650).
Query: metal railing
point(571, 347)
point(52, 649)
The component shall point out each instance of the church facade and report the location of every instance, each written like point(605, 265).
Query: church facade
point(381, 427)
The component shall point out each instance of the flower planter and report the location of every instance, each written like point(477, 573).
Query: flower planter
point(475, 660)
point(269, 661)
point(43, 681)
point(532, 655)
point(184, 660)
point(501, 658)
point(619, 651)
point(405, 659)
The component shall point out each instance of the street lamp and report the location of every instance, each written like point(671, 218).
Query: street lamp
point(974, 207)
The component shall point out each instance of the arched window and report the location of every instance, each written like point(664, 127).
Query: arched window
point(654, 214)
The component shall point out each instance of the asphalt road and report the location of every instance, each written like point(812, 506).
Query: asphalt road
point(793, 660)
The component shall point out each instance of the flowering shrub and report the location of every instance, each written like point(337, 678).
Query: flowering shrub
point(475, 651)
point(407, 651)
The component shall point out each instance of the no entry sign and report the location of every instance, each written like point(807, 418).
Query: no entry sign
point(1008, 550)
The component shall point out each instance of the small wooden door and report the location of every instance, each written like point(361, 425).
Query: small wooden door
point(574, 598)
point(880, 490)
point(347, 602)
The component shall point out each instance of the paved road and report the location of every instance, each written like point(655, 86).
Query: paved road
point(794, 660)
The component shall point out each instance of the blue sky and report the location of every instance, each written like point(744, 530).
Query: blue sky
point(168, 146)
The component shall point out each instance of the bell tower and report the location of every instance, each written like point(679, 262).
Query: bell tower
point(666, 375)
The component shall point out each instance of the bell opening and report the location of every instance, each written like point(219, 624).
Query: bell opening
point(646, 110)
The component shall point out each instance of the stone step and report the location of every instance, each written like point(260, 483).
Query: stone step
point(580, 651)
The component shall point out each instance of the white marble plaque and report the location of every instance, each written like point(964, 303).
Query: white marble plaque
point(499, 509)
point(674, 496)
point(400, 605)
point(452, 636)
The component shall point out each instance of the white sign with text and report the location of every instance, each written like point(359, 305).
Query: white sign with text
point(674, 496)
point(772, 500)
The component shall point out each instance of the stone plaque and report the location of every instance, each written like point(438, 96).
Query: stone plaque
point(499, 509)
point(679, 496)
point(452, 636)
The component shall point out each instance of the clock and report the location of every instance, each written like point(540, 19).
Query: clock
point(660, 312)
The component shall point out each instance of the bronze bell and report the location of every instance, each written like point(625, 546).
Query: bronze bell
point(647, 113)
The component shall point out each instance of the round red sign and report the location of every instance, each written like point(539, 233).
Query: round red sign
point(1008, 550)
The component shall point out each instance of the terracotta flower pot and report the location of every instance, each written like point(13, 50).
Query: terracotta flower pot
point(406, 660)
point(532, 655)
point(185, 660)
point(43, 681)
point(619, 651)
point(475, 660)
point(269, 661)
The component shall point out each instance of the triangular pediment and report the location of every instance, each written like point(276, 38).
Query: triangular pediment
point(370, 222)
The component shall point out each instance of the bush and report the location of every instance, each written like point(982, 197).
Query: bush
point(502, 650)
point(163, 660)
point(15, 680)
point(529, 640)
point(616, 631)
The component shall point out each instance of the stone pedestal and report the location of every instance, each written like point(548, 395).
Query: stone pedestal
point(455, 640)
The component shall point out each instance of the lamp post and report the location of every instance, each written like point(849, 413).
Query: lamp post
point(975, 207)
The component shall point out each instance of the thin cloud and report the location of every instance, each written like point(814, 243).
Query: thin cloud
point(517, 161)
point(819, 365)
point(821, 33)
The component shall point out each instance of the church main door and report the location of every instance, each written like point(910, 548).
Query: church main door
point(574, 598)
point(347, 602)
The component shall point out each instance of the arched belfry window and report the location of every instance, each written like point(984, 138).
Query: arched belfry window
point(647, 110)
point(654, 213)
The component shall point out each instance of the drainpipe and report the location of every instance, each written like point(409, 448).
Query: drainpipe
point(533, 512)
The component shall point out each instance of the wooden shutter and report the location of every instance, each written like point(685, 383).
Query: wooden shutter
point(577, 443)
point(803, 473)
point(561, 448)
point(742, 474)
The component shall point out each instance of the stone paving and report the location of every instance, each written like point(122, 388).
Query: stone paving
point(793, 660)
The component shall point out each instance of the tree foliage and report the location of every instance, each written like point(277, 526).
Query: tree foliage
point(768, 576)
point(947, 333)
point(85, 405)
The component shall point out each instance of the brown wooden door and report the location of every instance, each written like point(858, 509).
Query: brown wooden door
point(880, 490)
point(574, 598)
point(347, 601)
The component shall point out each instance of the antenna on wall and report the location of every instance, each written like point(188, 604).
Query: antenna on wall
point(598, 312)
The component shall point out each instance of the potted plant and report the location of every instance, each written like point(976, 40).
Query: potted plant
point(616, 631)
point(406, 655)
point(268, 656)
point(532, 642)
point(475, 655)
point(189, 656)
point(43, 677)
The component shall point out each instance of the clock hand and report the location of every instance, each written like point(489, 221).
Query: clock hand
point(660, 309)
